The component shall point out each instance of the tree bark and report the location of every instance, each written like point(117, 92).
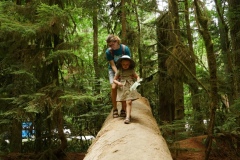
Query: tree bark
point(177, 82)
point(166, 90)
point(123, 21)
point(225, 51)
point(213, 91)
point(192, 83)
point(193, 86)
point(234, 23)
point(95, 51)
point(16, 138)
point(141, 139)
point(139, 35)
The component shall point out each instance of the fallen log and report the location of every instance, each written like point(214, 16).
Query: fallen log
point(139, 140)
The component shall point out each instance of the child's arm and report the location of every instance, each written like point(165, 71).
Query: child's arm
point(136, 83)
point(115, 80)
point(135, 75)
point(112, 64)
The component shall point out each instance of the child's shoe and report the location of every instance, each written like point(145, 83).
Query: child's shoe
point(123, 113)
point(127, 121)
point(115, 113)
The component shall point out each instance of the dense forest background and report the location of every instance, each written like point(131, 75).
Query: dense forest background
point(53, 69)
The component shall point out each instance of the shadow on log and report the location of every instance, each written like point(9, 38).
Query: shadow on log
point(139, 140)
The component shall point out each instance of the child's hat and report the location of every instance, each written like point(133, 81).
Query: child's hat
point(119, 61)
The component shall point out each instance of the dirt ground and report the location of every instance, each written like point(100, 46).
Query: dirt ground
point(189, 149)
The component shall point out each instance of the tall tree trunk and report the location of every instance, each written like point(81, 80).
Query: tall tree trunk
point(193, 86)
point(60, 127)
point(95, 50)
point(178, 83)
point(189, 31)
point(38, 133)
point(178, 100)
point(123, 21)
point(234, 23)
point(57, 93)
point(16, 136)
point(203, 21)
point(16, 126)
point(227, 58)
point(139, 44)
point(166, 100)
point(173, 9)
point(192, 83)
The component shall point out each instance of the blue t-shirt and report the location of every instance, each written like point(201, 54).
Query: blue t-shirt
point(116, 54)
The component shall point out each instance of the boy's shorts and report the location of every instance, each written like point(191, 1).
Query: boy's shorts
point(111, 75)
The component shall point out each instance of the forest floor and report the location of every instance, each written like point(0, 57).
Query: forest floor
point(190, 149)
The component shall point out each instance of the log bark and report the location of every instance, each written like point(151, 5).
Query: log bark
point(141, 139)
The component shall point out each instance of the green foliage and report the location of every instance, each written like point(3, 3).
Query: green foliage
point(80, 146)
point(52, 19)
point(13, 25)
point(182, 129)
point(4, 146)
point(175, 132)
point(230, 122)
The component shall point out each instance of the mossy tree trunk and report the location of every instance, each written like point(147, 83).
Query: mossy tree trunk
point(139, 49)
point(175, 39)
point(16, 136)
point(166, 90)
point(191, 80)
point(225, 51)
point(123, 21)
point(234, 23)
point(95, 50)
point(213, 91)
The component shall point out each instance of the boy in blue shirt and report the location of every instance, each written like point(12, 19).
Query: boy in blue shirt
point(113, 53)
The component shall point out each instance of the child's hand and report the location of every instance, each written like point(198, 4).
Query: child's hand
point(137, 83)
point(120, 84)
